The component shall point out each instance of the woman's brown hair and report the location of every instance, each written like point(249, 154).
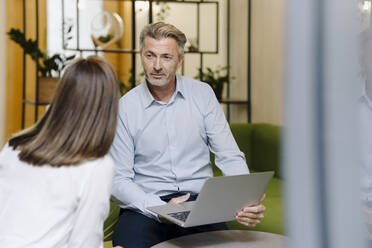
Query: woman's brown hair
point(80, 123)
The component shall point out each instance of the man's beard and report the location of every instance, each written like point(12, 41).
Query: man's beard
point(159, 83)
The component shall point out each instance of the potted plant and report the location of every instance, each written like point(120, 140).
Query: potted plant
point(50, 67)
point(215, 78)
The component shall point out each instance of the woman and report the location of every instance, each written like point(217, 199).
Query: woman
point(55, 177)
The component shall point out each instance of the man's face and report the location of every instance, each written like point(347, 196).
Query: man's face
point(160, 60)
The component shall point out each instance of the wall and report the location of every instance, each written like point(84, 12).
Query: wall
point(2, 70)
point(239, 58)
point(13, 106)
point(267, 29)
point(267, 60)
point(14, 63)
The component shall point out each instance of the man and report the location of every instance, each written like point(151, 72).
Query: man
point(167, 127)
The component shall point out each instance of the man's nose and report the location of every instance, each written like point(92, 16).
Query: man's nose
point(157, 65)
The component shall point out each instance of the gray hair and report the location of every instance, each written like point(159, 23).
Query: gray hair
point(160, 30)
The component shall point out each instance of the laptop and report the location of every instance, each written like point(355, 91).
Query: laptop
point(218, 200)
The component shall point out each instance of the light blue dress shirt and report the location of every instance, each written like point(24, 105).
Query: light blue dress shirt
point(162, 148)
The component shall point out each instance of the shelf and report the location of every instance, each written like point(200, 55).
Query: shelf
point(169, 1)
point(33, 102)
point(128, 51)
point(233, 101)
point(134, 50)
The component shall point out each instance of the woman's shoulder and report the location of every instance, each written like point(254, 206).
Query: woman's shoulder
point(6, 149)
point(96, 175)
point(103, 166)
point(105, 161)
point(8, 155)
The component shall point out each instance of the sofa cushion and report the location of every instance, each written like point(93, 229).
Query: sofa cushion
point(112, 218)
point(265, 148)
point(242, 134)
point(274, 189)
point(273, 220)
point(260, 142)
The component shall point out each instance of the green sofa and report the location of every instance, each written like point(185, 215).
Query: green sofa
point(260, 143)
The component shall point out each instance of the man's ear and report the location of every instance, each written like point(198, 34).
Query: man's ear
point(181, 57)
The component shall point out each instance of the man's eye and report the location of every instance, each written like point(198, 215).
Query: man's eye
point(149, 56)
point(168, 57)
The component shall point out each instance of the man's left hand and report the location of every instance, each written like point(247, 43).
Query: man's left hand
point(251, 215)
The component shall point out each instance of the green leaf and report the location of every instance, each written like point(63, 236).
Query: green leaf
point(45, 63)
point(70, 57)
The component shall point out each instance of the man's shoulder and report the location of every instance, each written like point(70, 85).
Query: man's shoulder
point(131, 102)
point(195, 86)
point(132, 96)
point(192, 82)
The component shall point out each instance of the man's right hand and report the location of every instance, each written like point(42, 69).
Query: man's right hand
point(180, 199)
point(176, 200)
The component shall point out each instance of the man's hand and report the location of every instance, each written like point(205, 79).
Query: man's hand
point(175, 200)
point(179, 199)
point(251, 215)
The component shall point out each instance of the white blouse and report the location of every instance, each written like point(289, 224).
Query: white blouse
point(44, 206)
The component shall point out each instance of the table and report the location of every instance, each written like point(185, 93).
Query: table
point(227, 239)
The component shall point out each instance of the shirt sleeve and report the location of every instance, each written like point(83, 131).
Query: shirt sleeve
point(93, 206)
point(125, 191)
point(221, 142)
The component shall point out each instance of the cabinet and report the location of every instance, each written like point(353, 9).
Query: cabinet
point(202, 52)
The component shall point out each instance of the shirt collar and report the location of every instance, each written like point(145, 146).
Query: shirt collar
point(149, 99)
point(180, 88)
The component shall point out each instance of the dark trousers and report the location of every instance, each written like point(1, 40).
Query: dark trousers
point(135, 230)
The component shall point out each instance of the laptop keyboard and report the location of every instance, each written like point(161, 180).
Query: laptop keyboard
point(182, 216)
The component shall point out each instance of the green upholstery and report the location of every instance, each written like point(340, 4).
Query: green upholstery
point(242, 133)
point(273, 221)
point(260, 143)
point(108, 226)
point(265, 148)
point(107, 244)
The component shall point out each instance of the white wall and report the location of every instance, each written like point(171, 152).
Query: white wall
point(2, 68)
point(239, 58)
point(54, 25)
point(267, 60)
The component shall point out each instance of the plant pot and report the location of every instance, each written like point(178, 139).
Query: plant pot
point(47, 86)
point(218, 91)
